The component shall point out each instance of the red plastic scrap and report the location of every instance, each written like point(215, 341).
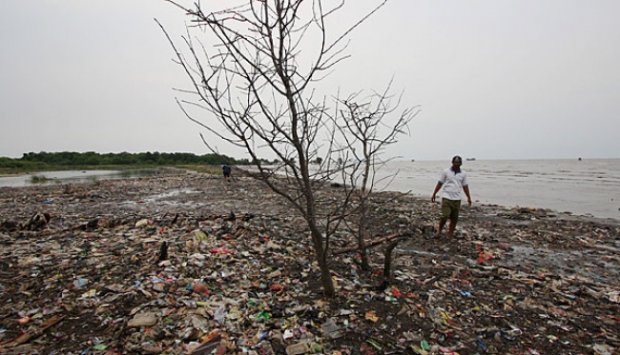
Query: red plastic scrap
point(483, 256)
point(276, 287)
point(221, 250)
point(201, 288)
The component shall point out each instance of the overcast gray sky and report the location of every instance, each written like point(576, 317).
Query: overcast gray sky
point(495, 79)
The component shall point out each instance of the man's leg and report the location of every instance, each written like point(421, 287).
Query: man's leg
point(442, 222)
point(445, 213)
point(454, 217)
point(451, 228)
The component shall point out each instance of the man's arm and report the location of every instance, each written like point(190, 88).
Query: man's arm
point(437, 188)
point(466, 189)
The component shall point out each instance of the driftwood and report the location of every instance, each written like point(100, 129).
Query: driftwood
point(163, 251)
point(387, 263)
point(394, 238)
point(373, 243)
point(26, 337)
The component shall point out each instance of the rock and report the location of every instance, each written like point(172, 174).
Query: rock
point(143, 320)
point(297, 349)
point(150, 348)
point(143, 223)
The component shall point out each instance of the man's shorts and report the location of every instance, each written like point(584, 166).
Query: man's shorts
point(450, 209)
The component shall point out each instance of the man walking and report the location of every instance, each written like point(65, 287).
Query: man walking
point(226, 170)
point(453, 181)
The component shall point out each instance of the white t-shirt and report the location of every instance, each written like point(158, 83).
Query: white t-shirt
point(452, 183)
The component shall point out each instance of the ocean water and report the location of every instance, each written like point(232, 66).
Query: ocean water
point(57, 177)
point(72, 176)
point(587, 187)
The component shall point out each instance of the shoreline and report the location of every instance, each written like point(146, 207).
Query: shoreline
point(241, 170)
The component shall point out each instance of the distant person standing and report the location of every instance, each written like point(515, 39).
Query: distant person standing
point(453, 180)
point(226, 170)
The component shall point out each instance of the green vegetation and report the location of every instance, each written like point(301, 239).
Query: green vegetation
point(44, 161)
point(38, 179)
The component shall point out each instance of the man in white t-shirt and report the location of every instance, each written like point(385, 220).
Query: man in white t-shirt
point(453, 181)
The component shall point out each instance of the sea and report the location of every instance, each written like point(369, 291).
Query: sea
point(55, 177)
point(589, 187)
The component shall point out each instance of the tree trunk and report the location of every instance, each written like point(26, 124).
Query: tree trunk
point(361, 243)
point(387, 263)
point(326, 278)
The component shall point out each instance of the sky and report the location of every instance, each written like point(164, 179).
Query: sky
point(494, 79)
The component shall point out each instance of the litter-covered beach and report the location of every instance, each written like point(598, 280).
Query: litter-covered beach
point(188, 263)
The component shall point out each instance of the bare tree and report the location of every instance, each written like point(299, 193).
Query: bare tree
point(261, 96)
point(366, 132)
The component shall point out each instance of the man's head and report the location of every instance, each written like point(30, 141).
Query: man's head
point(457, 160)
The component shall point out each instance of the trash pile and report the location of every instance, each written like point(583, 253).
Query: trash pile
point(190, 264)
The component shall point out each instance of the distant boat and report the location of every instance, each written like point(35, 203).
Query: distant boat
point(412, 159)
point(470, 159)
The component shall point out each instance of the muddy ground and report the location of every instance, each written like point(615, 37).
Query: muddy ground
point(83, 270)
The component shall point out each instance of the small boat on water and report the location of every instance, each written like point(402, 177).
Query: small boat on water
point(470, 159)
